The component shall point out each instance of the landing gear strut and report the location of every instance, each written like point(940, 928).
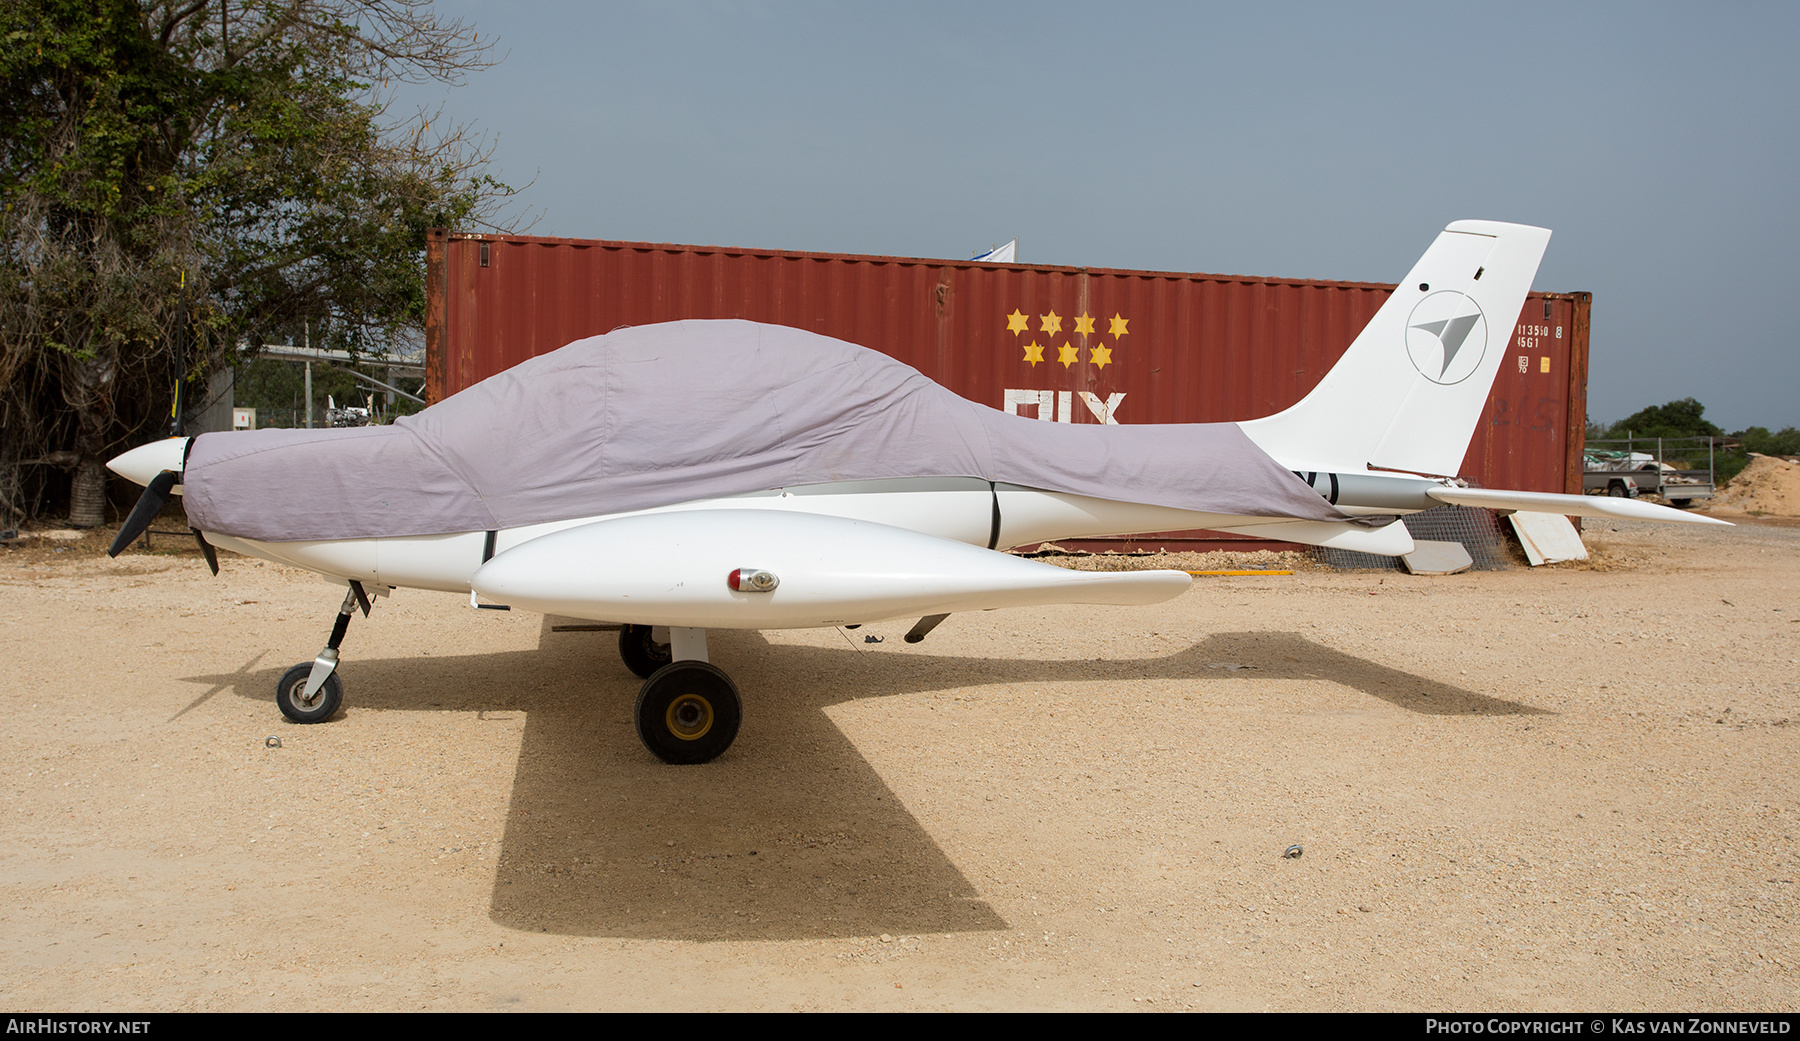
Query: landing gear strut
point(643, 653)
point(311, 692)
point(688, 710)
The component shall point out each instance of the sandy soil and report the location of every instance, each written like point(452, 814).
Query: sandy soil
point(1568, 788)
point(1769, 485)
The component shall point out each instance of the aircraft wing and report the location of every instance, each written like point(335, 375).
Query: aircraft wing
point(1569, 505)
point(701, 568)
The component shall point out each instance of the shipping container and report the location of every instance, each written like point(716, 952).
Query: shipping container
point(1061, 344)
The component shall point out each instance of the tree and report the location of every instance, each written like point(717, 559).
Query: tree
point(232, 154)
point(1684, 418)
point(1785, 441)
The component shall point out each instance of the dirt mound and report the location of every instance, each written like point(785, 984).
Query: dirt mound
point(1767, 485)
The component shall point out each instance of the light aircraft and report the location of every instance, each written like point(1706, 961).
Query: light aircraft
point(698, 475)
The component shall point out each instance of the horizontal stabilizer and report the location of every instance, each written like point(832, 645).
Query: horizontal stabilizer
point(1569, 505)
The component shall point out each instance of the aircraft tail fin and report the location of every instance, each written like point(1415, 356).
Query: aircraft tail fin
point(1409, 391)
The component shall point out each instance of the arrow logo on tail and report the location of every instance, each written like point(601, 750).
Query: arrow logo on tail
point(1446, 337)
point(1451, 332)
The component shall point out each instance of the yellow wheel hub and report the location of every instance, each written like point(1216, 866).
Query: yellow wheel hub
point(689, 717)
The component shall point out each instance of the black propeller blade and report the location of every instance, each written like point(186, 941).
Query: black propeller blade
point(149, 504)
point(206, 550)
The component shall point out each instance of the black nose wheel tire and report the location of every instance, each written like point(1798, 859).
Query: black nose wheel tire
point(642, 654)
point(290, 695)
point(688, 712)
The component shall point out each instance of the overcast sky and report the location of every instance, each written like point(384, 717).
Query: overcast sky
point(1315, 141)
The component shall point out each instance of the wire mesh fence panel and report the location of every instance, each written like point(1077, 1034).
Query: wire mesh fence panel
point(1478, 530)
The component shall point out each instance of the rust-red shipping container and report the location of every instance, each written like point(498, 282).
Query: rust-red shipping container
point(1063, 344)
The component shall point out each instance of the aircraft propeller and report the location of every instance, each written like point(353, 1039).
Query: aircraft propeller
point(155, 497)
point(149, 504)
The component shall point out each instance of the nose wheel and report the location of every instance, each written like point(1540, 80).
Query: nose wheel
point(296, 704)
point(688, 712)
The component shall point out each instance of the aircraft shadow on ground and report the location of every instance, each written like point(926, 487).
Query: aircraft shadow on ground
point(790, 835)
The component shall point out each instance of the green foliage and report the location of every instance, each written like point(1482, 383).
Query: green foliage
point(1783, 442)
point(233, 154)
point(1761, 441)
point(1684, 418)
point(277, 389)
point(1728, 464)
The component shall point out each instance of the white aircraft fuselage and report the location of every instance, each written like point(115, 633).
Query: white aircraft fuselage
point(960, 510)
point(622, 567)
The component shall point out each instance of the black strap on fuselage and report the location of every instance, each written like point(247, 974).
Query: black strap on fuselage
point(1311, 477)
point(994, 529)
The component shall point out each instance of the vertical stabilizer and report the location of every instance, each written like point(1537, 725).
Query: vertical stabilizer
point(1409, 391)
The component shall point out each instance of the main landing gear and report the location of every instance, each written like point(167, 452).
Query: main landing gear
point(642, 651)
point(688, 710)
point(311, 692)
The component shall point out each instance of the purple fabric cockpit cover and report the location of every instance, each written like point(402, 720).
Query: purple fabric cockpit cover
point(663, 414)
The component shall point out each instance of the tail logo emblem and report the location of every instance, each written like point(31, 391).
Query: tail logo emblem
point(1446, 337)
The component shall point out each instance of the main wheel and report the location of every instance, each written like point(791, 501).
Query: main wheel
point(642, 654)
point(688, 712)
point(290, 695)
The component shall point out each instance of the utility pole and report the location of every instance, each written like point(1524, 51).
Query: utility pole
point(308, 342)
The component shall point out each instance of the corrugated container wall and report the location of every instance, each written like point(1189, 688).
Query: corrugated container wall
point(1072, 345)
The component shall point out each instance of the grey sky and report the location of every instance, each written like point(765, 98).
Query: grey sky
point(1318, 141)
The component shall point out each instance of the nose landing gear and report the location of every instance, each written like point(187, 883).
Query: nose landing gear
point(311, 692)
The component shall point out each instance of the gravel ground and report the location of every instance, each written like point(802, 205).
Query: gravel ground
point(1563, 788)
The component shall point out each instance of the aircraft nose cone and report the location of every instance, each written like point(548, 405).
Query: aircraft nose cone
point(142, 464)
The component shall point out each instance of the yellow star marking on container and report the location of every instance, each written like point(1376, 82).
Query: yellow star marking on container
point(1084, 324)
point(1016, 322)
point(1066, 354)
point(1052, 323)
point(1118, 325)
point(1101, 356)
point(1034, 353)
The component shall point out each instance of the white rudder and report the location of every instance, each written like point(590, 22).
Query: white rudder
point(1409, 391)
